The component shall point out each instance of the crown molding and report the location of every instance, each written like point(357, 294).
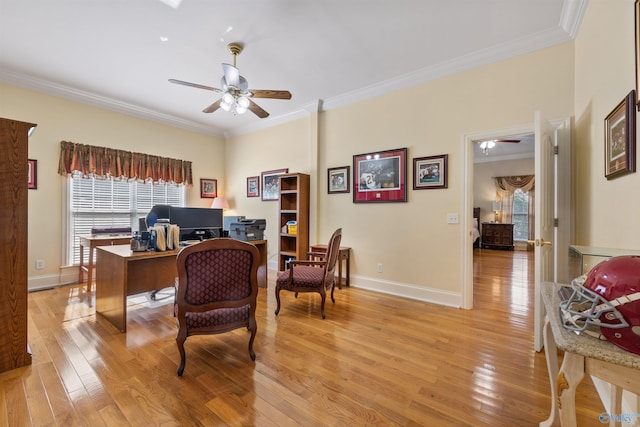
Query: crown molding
point(73, 94)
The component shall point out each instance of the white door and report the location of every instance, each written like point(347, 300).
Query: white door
point(544, 216)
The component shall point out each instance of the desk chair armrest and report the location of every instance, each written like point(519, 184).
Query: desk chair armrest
point(306, 262)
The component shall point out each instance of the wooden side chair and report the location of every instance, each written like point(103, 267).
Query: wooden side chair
point(216, 290)
point(312, 276)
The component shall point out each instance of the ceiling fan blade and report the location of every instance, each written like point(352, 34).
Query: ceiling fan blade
point(507, 140)
point(275, 94)
point(257, 110)
point(213, 107)
point(231, 75)
point(180, 82)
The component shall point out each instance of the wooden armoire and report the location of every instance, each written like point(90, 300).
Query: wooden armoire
point(14, 349)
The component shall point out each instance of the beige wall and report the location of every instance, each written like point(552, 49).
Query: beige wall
point(60, 119)
point(420, 252)
point(606, 212)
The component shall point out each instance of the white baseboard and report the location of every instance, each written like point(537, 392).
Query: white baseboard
point(436, 296)
point(46, 281)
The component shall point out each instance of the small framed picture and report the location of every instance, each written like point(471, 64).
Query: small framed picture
point(271, 184)
point(430, 172)
point(338, 180)
point(620, 138)
point(380, 176)
point(32, 183)
point(208, 188)
point(253, 186)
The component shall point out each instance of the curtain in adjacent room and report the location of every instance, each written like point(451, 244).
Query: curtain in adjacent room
point(106, 163)
point(506, 186)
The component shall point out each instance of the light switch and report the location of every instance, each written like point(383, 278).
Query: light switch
point(452, 218)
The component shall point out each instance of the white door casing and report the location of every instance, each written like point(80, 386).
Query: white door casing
point(544, 252)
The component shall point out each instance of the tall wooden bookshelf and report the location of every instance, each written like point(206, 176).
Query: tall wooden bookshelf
point(294, 206)
point(14, 350)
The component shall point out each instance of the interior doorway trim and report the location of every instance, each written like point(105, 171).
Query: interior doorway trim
point(467, 217)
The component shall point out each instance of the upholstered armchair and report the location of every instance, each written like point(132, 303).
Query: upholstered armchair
point(216, 290)
point(312, 276)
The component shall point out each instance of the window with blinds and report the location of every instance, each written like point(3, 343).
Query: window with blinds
point(107, 203)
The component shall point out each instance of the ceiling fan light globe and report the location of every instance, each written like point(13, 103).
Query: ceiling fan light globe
point(226, 106)
point(243, 102)
point(240, 109)
point(227, 98)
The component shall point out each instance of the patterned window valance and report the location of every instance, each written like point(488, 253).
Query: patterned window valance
point(106, 163)
point(512, 183)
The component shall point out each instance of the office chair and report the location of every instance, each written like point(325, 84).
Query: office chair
point(216, 290)
point(312, 276)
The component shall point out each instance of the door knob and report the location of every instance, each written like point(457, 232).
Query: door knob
point(540, 242)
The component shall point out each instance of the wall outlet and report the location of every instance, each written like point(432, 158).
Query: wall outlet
point(39, 264)
point(379, 267)
point(452, 218)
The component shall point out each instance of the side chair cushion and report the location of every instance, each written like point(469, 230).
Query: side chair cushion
point(303, 277)
point(221, 316)
point(203, 269)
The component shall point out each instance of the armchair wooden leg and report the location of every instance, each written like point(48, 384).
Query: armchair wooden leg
point(324, 297)
point(183, 356)
point(253, 328)
point(278, 299)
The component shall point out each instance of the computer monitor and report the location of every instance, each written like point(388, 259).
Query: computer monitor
point(197, 223)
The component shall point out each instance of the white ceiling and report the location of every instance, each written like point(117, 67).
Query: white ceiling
point(327, 53)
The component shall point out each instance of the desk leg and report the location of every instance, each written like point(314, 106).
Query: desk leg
point(569, 377)
point(348, 268)
point(81, 274)
point(339, 271)
point(551, 354)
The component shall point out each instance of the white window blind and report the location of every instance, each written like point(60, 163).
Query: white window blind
point(107, 203)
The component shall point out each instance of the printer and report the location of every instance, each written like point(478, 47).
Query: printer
point(248, 229)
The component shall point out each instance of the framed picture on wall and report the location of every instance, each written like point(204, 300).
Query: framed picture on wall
point(271, 184)
point(32, 180)
point(208, 188)
point(253, 186)
point(620, 138)
point(380, 176)
point(430, 172)
point(637, 25)
point(338, 179)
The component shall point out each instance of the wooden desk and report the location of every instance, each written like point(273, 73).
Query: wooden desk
point(583, 355)
point(91, 242)
point(120, 272)
point(343, 255)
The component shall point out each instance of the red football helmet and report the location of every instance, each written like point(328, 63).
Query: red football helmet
point(607, 297)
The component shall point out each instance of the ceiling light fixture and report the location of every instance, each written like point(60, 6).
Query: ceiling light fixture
point(486, 145)
point(236, 96)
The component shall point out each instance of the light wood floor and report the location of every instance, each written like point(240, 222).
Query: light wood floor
point(375, 360)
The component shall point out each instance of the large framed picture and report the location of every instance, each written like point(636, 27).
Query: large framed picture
point(338, 180)
point(637, 25)
point(208, 188)
point(380, 176)
point(271, 185)
point(620, 138)
point(430, 172)
point(253, 186)
point(32, 180)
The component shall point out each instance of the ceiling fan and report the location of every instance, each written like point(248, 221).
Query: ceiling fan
point(486, 145)
point(236, 95)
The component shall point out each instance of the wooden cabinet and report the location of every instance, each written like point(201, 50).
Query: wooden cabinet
point(294, 206)
point(497, 236)
point(14, 351)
